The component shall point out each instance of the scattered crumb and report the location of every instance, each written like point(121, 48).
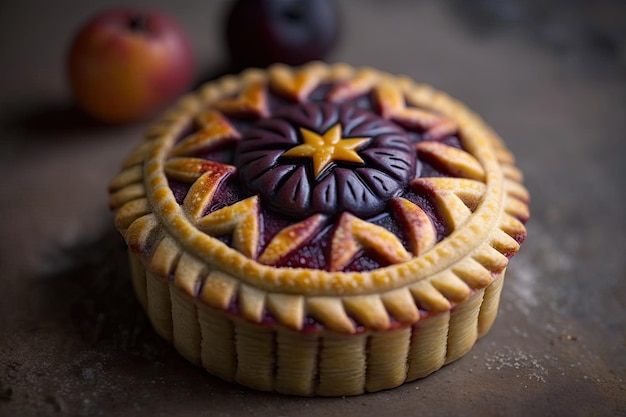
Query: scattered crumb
point(569, 337)
point(507, 357)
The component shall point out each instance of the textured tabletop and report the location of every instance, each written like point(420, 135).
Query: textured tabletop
point(550, 77)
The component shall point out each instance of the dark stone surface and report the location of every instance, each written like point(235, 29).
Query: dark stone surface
point(550, 78)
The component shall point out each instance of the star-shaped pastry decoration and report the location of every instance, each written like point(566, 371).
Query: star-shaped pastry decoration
point(327, 148)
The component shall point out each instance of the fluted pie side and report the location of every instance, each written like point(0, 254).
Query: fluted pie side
point(230, 306)
point(275, 358)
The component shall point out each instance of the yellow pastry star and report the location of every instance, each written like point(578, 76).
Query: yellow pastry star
point(327, 148)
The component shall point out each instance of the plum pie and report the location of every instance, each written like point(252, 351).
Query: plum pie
point(320, 230)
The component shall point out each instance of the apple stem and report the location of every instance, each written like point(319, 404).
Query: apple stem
point(137, 23)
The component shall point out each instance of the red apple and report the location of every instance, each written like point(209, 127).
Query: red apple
point(125, 65)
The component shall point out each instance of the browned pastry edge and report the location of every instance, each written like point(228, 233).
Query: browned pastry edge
point(447, 274)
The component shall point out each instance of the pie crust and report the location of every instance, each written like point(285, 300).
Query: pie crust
point(418, 203)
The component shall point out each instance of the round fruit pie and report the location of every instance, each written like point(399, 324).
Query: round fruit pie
point(321, 230)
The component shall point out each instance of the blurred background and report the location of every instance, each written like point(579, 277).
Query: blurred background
point(549, 76)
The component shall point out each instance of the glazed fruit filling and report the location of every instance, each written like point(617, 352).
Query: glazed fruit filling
point(311, 163)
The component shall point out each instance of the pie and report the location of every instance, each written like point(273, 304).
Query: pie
point(320, 230)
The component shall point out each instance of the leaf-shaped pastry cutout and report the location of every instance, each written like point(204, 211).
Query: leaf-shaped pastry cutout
point(187, 274)
point(504, 155)
point(291, 239)
point(251, 303)
point(473, 273)
point(401, 305)
point(296, 85)
point(215, 130)
point(360, 84)
point(504, 243)
point(241, 220)
point(251, 102)
point(288, 309)
point(512, 226)
point(165, 257)
point(517, 208)
point(353, 235)
point(392, 105)
point(190, 169)
point(330, 312)
point(419, 229)
point(455, 198)
point(293, 191)
point(512, 173)
point(368, 311)
point(517, 190)
point(388, 99)
point(451, 286)
point(429, 298)
point(218, 289)
point(130, 212)
point(142, 232)
point(442, 128)
point(128, 176)
point(126, 194)
point(490, 258)
point(453, 161)
point(202, 191)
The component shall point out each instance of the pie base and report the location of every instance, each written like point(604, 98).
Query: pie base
point(258, 301)
point(278, 359)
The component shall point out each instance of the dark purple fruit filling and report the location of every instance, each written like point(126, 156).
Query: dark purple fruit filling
point(356, 178)
point(376, 164)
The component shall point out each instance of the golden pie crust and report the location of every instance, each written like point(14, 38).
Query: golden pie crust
point(373, 329)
